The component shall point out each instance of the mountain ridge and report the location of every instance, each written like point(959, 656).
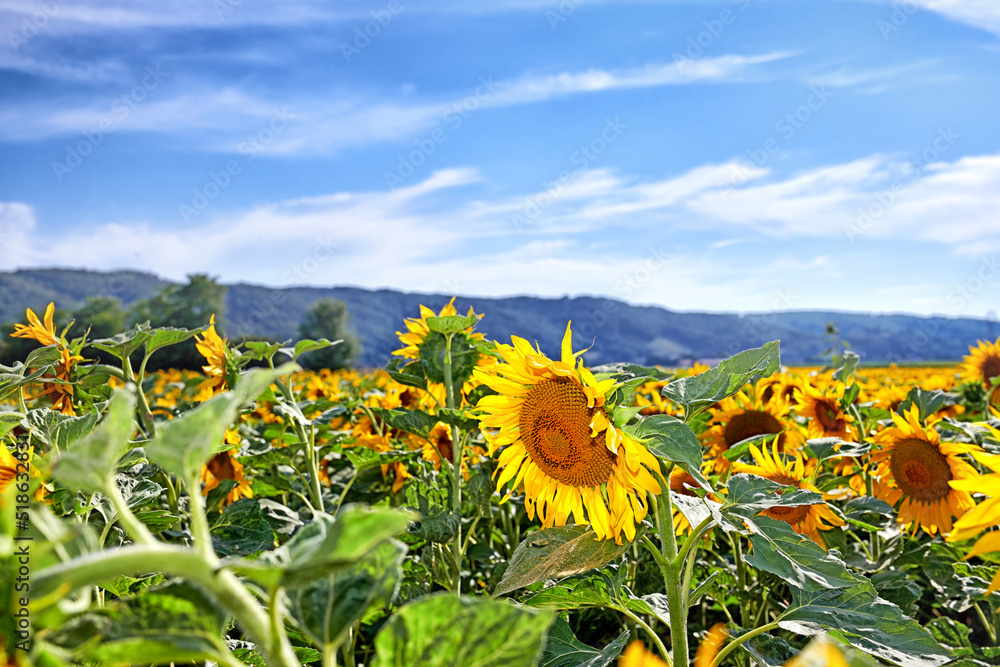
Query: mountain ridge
point(614, 330)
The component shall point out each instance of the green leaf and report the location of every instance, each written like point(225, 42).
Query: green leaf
point(412, 421)
point(563, 649)
point(868, 622)
point(750, 494)
point(671, 439)
point(184, 444)
point(440, 527)
point(242, 530)
point(832, 448)
point(556, 553)
point(699, 392)
point(90, 464)
point(870, 511)
point(443, 630)
point(326, 608)
point(409, 374)
point(157, 520)
point(626, 370)
point(43, 356)
point(846, 368)
point(364, 459)
point(124, 344)
point(9, 420)
point(137, 493)
point(263, 350)
point(306, 345)
point(898, 588)
point(451, 324)
point(802, 563)
point(164, 336)
point(325, 543)
point(927, 402)
point(603, 590)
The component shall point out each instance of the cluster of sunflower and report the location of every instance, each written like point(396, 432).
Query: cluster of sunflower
point(57, 384)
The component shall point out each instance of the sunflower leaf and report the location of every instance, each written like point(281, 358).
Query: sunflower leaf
point(451, 324)
point(557, 553)
point(699, 392)
point(90, 463)
point(751, 494)
point(563, 649)
point(165, 336)
point(795, 558)
point(416, 422)
point(671, 439)
point(242, 530)
point(927, 402)
point(442, 629)
point(868, 622)
point(831, 448)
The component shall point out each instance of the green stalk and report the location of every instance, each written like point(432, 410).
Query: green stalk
point(456, 465)
point(145, 414)
point(731, 646)
point(135, 528)
point(312, 460)
point(199, 522)
point(671, 568)
point(223, 585)
point(649, 631)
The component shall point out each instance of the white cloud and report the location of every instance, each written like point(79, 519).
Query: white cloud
point(982, 14)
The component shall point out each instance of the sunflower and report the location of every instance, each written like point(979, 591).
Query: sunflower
point(913, 465)
point(554, 436)
point(215, 350)
point(982, 363)
point(380, 443)
point(985, 515)
point(419, 340)
point(225, 466)
point(805, 520)
point(826, 419)
point(710, 644)
point(740, 417)
point(637, 655)
point(60, 393)
point(10, 468)
point(820, 652)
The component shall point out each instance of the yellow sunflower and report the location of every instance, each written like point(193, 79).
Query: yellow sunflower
point(913, 465)
point(805, 520)
point(637, 655)
point(10, 468)
point(215, 350)
point(826, 419)
point(982, 362)
point(225, 466)
point(556, 440)
point(416, 336)
point(60, 394)
point(985, 515)
point(740, 417)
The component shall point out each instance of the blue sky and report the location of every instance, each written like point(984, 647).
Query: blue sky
point(746, 155)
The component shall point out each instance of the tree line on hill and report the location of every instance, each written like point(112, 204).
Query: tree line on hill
point(188, 306)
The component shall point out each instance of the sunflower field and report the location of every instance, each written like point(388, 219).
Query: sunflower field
point(477, 502)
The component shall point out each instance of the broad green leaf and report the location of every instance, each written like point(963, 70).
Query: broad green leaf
point(802, 563)
point(464, 355)
point(831, 448)
point(563, 649)
point(556, 553)
point(262, 349)
point(767, 650)
point(175, 622)
point(164, 336)
point(137, 492)
point(325, 609)
point(409, 374)
point(870, 511)
point(307, 345)
point(751, 494)
point(671, 439)
point(58, 430)
point(927, 402)
point(43, 356)
point(242, 530)
point(440, 527)
point(412, 421)
point(868, 622)
point(90, 464)
point(847, 366)
point(626, 370)
point(124, 344)
point(326, 543)
point(9, 382)
point(443, 630)
point(451, 324)
point(898, 588)
point(157, 520)
point(9, 420)
point(184, 444)
point(364, 459)
point(603, 590)
point(699, 392)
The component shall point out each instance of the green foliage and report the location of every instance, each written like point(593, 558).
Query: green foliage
point(187, 306)
point(328, 318)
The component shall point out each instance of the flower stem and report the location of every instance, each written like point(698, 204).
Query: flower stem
point(652, 635)
point(731, 646)
point(456, 464)
point(671, 570)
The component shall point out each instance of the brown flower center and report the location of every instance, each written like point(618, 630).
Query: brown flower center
point(990, 368)
point(920, 470)
point(829, 417)
point(749, 424)
point(221, 466)
point(555, 429)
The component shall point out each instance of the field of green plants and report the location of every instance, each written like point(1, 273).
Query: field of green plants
point(479, 503)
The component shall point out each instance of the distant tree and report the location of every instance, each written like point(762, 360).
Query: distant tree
point(328, 318)
point(104, 317)
point(189, 306)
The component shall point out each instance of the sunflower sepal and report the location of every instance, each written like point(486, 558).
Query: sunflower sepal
point(622, 415)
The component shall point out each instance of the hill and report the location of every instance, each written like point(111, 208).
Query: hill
point(617, 330)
